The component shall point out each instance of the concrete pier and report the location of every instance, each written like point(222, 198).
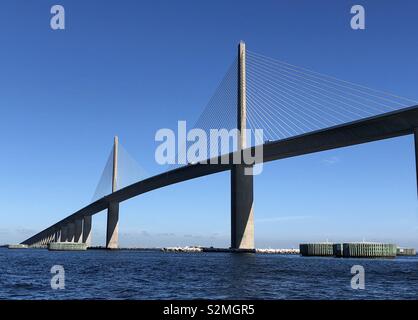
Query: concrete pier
point(70, 232)
point(78, 231)
point(242, 198)
point(112, 234)
point(64, 233)
point(57, 236)
point(242, 214)
point(87, 230)
point(416, 154)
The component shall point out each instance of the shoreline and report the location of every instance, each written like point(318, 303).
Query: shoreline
point(198, 249)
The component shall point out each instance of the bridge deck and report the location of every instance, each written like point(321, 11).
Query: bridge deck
point(389, 125)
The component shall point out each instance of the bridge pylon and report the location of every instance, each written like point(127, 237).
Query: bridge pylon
point(242, 197)
point(112, 232)
point(416, 155)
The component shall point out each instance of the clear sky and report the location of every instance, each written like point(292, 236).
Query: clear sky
point(129, 68)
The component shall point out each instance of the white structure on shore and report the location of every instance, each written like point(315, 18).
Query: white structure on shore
point(202, 249)
point(278, 251)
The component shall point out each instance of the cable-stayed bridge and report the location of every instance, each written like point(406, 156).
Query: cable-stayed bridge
point(300, 111)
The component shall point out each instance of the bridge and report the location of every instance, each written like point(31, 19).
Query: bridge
point(301, 112)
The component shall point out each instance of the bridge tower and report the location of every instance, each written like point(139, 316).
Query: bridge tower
point(416, 155)
point(112, 233)
point(242, 215)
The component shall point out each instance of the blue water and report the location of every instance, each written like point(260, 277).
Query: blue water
point(25, 274)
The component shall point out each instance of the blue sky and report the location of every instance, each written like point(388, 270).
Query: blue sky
point(129, 68)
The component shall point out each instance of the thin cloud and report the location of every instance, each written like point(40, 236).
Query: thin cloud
point(331, 161)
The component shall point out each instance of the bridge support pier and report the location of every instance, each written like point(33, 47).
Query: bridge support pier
point(78, 231)
point(416, 154)
point(70, 232)
point(64, 233)
point(57, 236)
point(112, 234)
point(87, 230)
point(242, 215)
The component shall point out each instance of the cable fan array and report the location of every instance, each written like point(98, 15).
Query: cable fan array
point(283, 100)
point(129, 172)
point(219, 113)
point(286, 100)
